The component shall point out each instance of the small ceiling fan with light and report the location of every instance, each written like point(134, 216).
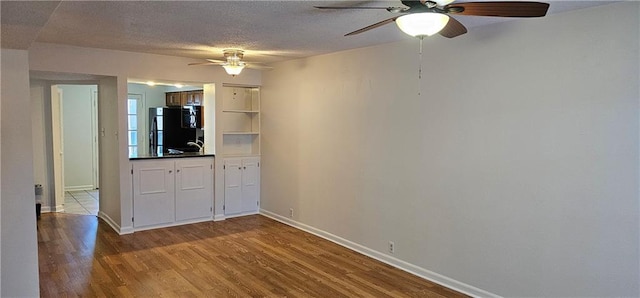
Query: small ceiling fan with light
point(234, 63)
point(425, 17)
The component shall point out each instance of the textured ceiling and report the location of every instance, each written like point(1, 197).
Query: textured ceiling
point(267, 30)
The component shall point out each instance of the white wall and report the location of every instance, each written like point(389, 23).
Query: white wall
point(19, 250)
point(40, 92)
point(511, 167)
point(111, 163)
point(116, 206)
point(77, 136)
point(154, 96)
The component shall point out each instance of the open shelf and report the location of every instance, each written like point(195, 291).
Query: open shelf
point(240, 121)
point(240, 144)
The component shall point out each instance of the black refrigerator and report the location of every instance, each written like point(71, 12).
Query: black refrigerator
point(170, 129)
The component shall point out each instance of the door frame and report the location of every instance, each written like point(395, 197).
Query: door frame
point(57, 132)
point(94, 138)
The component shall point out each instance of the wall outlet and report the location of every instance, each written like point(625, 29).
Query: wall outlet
point(392, 247)
point(290, 212)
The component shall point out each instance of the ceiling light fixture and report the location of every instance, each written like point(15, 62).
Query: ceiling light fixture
point(233, 66)
point(232, 69)
point(422, 24)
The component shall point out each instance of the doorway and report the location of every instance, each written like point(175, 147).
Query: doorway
point(74, 114)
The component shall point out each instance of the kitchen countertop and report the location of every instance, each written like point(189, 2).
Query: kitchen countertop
point(166, 155)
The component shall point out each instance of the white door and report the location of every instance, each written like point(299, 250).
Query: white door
point(250, 184)
point(154, 192)
point(194, 188)
point(233, 185)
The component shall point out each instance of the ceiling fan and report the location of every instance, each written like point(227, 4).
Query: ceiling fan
point(427, 17)
point(234, 63)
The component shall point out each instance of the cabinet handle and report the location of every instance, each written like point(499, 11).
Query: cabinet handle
point(170, 171)
point(244, 168)
point(178, 171)
point(239, 168)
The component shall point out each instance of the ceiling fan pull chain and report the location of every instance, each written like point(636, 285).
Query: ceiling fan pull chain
point(420, 55)
point(420, 66)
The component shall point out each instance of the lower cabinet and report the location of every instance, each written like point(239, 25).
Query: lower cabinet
point(241, 186)
point(171, 191)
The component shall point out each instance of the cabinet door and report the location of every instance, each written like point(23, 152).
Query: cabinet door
point(250, 184)
point(153, 197)
point(184, 98)
point(233, 185)
point(194, 188)
point(173, 99)
point(197, 97)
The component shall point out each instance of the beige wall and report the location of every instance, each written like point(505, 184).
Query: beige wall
point(510, 168)
point(112, 150)
point(19, 250)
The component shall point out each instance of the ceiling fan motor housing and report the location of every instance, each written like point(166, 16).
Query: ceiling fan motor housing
point(231, 53)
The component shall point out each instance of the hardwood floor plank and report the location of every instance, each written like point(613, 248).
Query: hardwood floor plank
point(251, 256)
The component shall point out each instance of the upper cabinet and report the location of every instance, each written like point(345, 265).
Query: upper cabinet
point(240, 120)
point(174, 99)
point(184, 98)
point(192, 98)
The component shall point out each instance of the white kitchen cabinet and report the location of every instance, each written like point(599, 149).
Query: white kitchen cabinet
point(172, 191)
point(194, 188)
point(241, 186)
point(153, 192)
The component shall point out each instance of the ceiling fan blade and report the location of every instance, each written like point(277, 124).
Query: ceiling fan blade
point(215, 61)
point(353, 7)
point(411, 3)
point(499, 9)
point(203, 63)
point(376, 25)
point(453, 28)
point(252, 62)
point(262, 67)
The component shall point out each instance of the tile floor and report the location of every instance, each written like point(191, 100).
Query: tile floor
point(81, 202)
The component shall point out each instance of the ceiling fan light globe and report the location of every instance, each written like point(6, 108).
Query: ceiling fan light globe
point(233, 69)
point(422, 24)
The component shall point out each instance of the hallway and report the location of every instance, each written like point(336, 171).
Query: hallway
point(84, 202)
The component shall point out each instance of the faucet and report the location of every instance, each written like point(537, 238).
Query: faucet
point(197, 144)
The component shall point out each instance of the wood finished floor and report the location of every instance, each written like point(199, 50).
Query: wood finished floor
point(251, 256)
